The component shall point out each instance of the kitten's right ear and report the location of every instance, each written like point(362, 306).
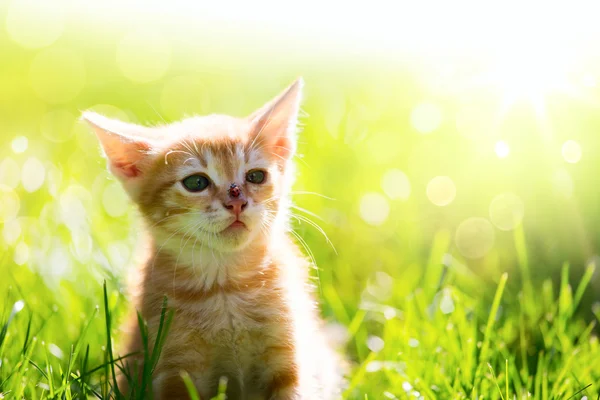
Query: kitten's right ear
point(127, 150)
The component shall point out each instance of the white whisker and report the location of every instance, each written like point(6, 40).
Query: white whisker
point(316, 226)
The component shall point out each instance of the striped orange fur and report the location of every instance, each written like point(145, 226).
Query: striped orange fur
point(221, 254)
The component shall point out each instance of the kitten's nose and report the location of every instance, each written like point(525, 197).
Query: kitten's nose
point(236, 205)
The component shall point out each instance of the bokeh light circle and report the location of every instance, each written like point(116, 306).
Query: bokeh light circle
point(474, 237)
point(11, 231)
point(10, 173)
point(35, 24)
point(21, 255)
point(571, 151)
point(502, 149)
point(115, 200)
point(143, 56)
point(441, 191)
point(395, 184)
point(19, 144)
point(33, 174)
point(57, 125)
point(10, 203)
point(374, 208)
point(54, 177)
point(507, 211)
point(563, 183)
point(375, 343)
point(426, 118)
point(57, 75)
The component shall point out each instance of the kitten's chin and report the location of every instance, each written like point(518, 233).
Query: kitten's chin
point(234, 237)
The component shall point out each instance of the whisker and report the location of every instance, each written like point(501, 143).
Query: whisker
point(313, 193)
point(310, 254)
point(304, 210)
point(157, 113)
point(176, 151)
point(191, 232)
point(165, 242)
point(295, 155)
point(316, 226)
point(185, 144)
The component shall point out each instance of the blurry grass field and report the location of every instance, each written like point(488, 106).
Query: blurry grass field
point(428, 339)
point(464, 240)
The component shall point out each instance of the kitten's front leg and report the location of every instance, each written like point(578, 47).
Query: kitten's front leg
point(170, 386)
point(289, 393)
point(284, 384)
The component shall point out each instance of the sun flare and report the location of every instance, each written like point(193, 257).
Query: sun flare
point(528, 75)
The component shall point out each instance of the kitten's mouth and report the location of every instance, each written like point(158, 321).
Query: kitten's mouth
point(237, 224)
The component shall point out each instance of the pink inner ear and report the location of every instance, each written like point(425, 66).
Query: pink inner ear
point(283, 147)
point(127, 170)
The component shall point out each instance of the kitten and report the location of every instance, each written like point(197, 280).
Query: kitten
point(213, 192)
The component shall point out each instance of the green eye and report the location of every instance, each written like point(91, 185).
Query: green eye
point(196, 183)
point(256, 176)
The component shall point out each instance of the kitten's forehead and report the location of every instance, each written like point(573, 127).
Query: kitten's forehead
point(224, 159)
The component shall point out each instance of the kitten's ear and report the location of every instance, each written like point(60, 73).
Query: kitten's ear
point(274, 125)
point(127, 150)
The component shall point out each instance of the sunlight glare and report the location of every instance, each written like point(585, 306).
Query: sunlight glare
point(589, 80)
point(521, 74)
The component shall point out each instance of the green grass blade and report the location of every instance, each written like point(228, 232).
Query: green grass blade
point(583, 284)
point(111, 360)
point(495, 380)
point(190, 386)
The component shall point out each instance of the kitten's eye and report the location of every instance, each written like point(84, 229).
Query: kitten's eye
point(196, 183)
point(256, 176)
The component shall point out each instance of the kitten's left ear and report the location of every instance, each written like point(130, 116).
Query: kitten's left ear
point(128, 149)
point(274, 126)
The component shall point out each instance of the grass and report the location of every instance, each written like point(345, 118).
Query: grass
point(437, 342)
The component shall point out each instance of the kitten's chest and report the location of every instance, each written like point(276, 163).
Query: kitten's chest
point(238, 328)
point(231, 317)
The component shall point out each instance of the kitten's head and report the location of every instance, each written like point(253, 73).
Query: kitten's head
point(216, 180)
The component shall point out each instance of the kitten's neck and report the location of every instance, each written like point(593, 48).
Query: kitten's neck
point(209, 266)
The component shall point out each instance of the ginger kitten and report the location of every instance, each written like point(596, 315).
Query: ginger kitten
point(213, 193)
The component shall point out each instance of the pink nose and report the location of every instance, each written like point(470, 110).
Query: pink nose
point(236, 205)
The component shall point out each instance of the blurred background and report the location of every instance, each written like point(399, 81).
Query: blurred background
point(434, 134)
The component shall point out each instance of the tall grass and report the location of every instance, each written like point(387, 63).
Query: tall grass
point(433, 343)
